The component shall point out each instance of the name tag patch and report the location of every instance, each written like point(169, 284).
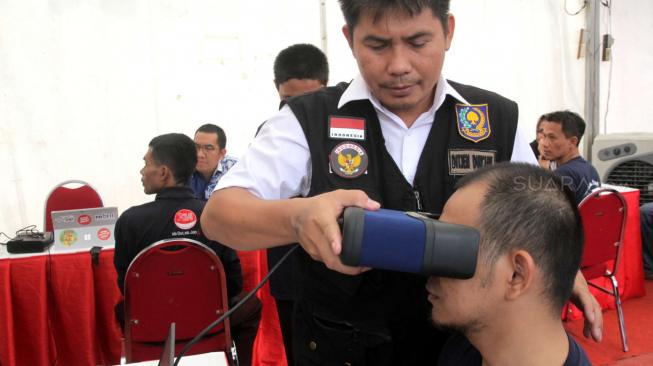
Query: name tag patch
point(346, 128)
point(463, 162)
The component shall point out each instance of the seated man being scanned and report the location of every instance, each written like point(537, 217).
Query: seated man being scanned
point(529, 255)
point(169, 162)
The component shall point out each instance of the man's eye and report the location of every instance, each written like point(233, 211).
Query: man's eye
point(377, 46)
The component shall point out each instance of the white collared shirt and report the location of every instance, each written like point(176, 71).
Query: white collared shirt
point(278, 162)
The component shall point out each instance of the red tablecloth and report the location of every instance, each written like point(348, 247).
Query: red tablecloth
point(58, 309)
point(630, 273)
point(268, 347)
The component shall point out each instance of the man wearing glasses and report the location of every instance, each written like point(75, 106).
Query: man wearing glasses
point(212, 160)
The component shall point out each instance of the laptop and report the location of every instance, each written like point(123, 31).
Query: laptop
point(84, 228)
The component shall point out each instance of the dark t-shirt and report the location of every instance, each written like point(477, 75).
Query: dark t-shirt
point(580, 176)
point(459, 352)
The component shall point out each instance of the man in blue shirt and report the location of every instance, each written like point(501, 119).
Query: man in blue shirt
point(212, 160)
point(561, 134)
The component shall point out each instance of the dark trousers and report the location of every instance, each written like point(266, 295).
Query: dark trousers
point(284, 310)
point(244, 326)
point(646, 224)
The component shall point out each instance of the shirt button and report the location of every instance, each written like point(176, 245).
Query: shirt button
point(312, 345)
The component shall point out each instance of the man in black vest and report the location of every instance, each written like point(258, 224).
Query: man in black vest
point(399, 136)
point(298, 69)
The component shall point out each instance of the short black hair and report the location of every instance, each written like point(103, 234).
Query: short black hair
point(211, 128)
point(571, 123)
point(351, 9)
point(177, 152)
point(301, 61)
point(527, 207)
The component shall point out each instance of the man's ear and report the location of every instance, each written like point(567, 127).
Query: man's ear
point(523, 274)
point(451, 26)
point(349, 36)
point(165, 174)
point(575, 140)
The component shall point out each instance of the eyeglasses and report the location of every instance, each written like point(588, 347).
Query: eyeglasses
point(206, 148)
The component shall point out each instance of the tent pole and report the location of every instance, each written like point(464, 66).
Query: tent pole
point(592, 75)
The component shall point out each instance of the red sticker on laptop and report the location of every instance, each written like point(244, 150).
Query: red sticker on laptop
point(84, 219)
point(185, 219)
point(347, 128)
point(104, 234)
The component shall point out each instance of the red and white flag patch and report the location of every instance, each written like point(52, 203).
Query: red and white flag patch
point(346, 128)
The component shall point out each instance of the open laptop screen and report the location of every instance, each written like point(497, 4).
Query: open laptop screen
point(84, 228)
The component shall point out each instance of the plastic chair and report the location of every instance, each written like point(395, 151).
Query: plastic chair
point(603, 213)
point(64, 196)
point(180, 281)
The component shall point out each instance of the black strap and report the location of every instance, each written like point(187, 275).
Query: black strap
point(95, 255)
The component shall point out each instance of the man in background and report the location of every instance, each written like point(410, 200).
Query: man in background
point(298, 69)
point(168, 164)
point(561, 134)
point(212, 160)
point(646, 225)
point(529, 255)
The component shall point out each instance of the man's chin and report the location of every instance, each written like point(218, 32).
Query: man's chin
point(448, 327)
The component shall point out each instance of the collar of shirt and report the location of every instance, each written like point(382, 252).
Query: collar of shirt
point(358, 90)
point(175, 192)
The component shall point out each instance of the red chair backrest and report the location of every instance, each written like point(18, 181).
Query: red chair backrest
point(186, 286)
point(603, 213)
point(67, 197)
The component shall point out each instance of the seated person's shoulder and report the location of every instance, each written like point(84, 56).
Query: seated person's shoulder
point(576, 356)
point(459, 352)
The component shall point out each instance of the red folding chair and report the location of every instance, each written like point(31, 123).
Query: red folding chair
point(70, 195)
point(603, 213)
point(180, 281)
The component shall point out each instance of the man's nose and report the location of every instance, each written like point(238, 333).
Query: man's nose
point(399, 62)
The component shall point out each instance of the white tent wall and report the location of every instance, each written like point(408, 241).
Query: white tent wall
point(631, 89)
point(84, 85)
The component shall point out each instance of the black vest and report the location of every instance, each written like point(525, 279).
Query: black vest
point(385, 302)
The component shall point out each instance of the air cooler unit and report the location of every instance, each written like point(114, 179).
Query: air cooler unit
point(626, 160)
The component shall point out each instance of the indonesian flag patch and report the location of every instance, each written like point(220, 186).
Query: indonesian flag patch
point(346, 128)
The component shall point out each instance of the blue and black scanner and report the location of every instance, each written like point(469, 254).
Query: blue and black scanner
point(408, 242)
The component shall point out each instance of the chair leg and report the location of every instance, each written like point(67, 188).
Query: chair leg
point(620, 313)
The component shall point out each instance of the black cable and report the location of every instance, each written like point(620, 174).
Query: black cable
point(51, 310)
point(576, 12)
point(27, 230)
point(6, 236)
point(228, 313)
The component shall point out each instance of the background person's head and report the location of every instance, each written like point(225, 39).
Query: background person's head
point(399, 47)
point(170, 161)
point(211, 144)
point(529, 253)
point(299, 69)
point(560, 135)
